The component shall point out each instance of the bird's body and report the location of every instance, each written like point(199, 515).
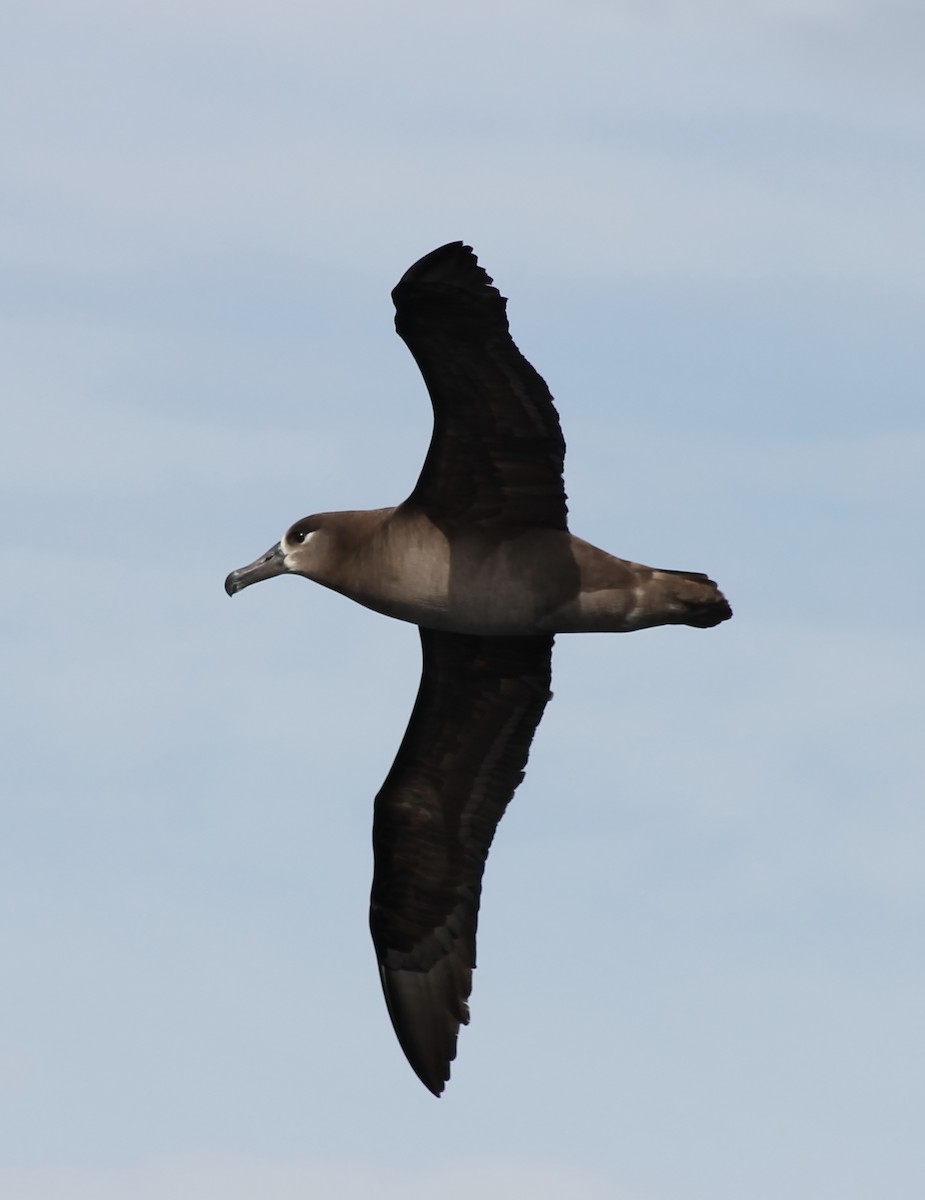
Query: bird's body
point(493, 582)
point(480, 558)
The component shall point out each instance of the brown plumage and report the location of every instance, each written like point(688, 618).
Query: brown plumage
point(479, 557)
point(478, 705)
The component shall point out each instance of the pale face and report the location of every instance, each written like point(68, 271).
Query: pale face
point(297, 536)
point(300, 545)
point(290, 555)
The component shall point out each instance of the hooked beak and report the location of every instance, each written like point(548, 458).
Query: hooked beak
point(269, 564)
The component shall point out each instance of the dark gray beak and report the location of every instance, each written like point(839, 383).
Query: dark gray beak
point(269, 564)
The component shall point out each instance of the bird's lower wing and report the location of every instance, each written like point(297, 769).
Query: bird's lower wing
point(463, 754)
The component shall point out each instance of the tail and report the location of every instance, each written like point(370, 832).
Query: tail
point(692, 598)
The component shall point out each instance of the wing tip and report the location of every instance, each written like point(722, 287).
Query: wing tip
point(454, 264)
point(427, 1030)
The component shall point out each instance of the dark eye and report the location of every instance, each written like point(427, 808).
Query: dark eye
point(297, 536)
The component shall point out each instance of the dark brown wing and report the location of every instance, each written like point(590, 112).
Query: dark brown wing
point(461, 758)
point(497, 449)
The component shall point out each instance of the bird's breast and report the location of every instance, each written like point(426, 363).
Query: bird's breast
point(473, 581)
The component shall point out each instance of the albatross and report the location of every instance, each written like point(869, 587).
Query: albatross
point(481, 559)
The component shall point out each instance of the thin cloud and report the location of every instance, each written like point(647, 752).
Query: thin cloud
point(243, 1179)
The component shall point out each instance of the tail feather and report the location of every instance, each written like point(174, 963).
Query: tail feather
point(695, 599)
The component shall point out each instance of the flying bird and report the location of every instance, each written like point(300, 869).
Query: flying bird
point(480, 558)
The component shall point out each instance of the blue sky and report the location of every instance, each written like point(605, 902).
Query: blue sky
point(700, 970)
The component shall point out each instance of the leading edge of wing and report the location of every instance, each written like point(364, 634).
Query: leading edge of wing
point(462, 756)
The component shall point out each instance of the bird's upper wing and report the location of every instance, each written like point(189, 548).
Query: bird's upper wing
point(463, 754)
point(497, 450)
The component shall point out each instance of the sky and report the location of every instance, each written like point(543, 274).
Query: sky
point(700, 950)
